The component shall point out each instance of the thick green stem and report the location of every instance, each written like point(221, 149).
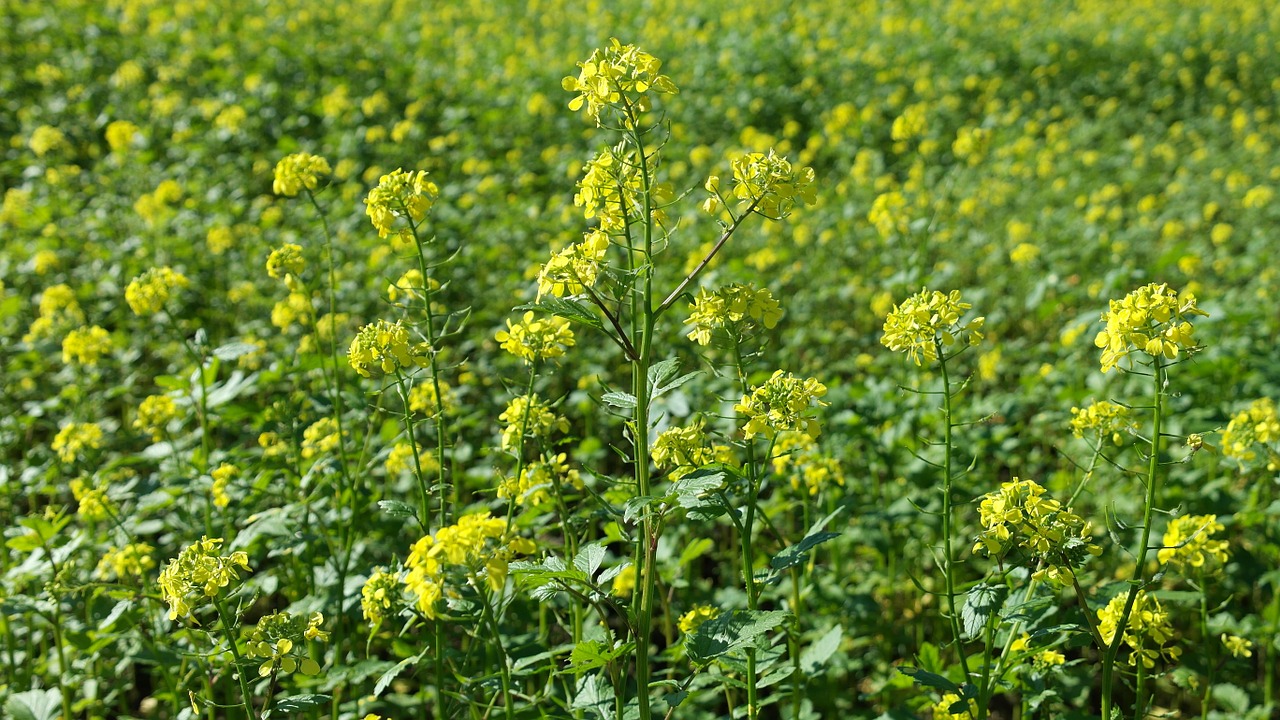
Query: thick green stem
point(245, 695)
point(424, 503)
point(748, 526)
point(948, 565)
point(435, 371)
point(1139, 570)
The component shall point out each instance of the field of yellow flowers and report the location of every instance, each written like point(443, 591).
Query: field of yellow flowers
point(618, 361)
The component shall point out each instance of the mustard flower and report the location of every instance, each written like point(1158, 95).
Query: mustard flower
point(1154, 319)
point(781, 403)
point(294, 309)
point(537, 480)
point(280, 639)
point(92, 503)
point(529, 415)
point(888, 214)
point(222, 477)
point(692, 620)
point(1253, 429)
point(817, 472)
point(382, 347)
point(400, 194)
point(297, 172)
point(619, 77)
point(611, 188)
point(1148, 630)
point(927, 320)
point(410, 285)
point(120, 135)
point(971, 144)
point(942, 708)
point(422, 398)
point(286, 263)
point(73, 439)
point(911, 124)
point(199, 572)
point(624, 583)
point(474, 544)
point(148, 293)
point(682, 450)
point(1237, 646)
point(1190, 546)
point(154, 415)
point(400, 459)
point(574, 269)
point(536, 338)
point(736, 308)
point(1020, 515)
point(1104, 418)
point(46, 139)
point(768, 181)
point(320, 438)
point(381, 596)
point(58, 308)
point(132, 560)
point(86, 346)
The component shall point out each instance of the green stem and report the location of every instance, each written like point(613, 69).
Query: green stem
point(503, 669)
point(748, 524)
point(1207, 643)
point(947, 476)
point(1139, 571)
point(424, 503)
point(245, 695)
point(435, 371)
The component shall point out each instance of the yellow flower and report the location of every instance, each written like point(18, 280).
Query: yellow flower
point(1020, 515)
point(682, 450)
point(888, 214)
point(1104, 418)
point(1237, 646)
point(297, 172)
point(286, 263)
point(148, 293)
point(320, 438)
point(692, 620)
point(422, 397)
point(1147, 631)
point(382, 348)
point(400, 194)
point(575, 268)
point(942, 709)
point(380, 596)
point(85, 346)
point(1188, 543)
point(910, 125)
point(120, 135)
point(132, 560)
point(93, 503)
point(46, 139)
point(280, 639)
point(1024, 254)
point(1251, 430)
point(1154, 319)
point(781, 403)
point(534, 339)
point(767, 183)
point(736, 308)
point(617, 77)
point(624, 583)
point(473, 544)
point(219, 240)
point(927, 320)
point(200, 571)
point(72, 440)
point(154, 415)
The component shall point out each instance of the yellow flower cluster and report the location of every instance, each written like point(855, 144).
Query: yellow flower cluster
point(400, 194)
point(383, 347)
point(732, 307)
point(422, 398)
point(86, 346)
point(1154, 319)
point(287, 263)
point(536, 338)
point(1237, 646)
point(534, 415)
point(575, 268)
point(154, 206)
point(1148, 625)
point(911, 124)
point(380, 596)
point(148, 293)
point(692, 620)
point(942, 708)
point(624, 583)
point(280, 638)
point(770, 183)
point(295, 308)
point(682, 450)
point(132, 560)
point(299, 171)
point(72, 440)
point(971, 144)
point(199, 570)
point(1189, 544)
point(1019, 515)
point(928, 321)
point(154, 415)
point(120, 135)
point(1257, 426)
point(537, 480)
point(92, 503)
point(781, 403)
point(474, 545)
point(611, 188)
point(45, 139)
point(320, 438)
point(888, 214)
point(222, 477)
point(1104, 418)
point(617, 76)
point(58, 309)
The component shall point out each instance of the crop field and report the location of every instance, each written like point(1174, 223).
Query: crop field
point(377, 360)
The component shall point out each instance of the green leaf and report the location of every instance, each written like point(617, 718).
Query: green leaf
point(298, 703)
point(730, 631)
point(567, 309)
point(394, 672)
point(619, 399)
point(928, 679)
point(796, 554)
point(691, 490)
point(591, 654)
point(34, 705)
point(595, 695)
point(1231, 697)
point(589, 558)
point(982, 602)
point(234, 350)
point(660, 372)
point(24, 543)
point(817, 654)
point(397, 509)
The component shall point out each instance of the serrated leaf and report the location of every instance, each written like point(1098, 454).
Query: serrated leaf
point(660, 372)
point(34, 705)
point(567, 309)
point(795, 554)
point(589, 558)
point(1231, 697)
point(691, 490)
point(394, 672)
point(591, 654)
point(729, 631)
point(980, 604)
point(619, 399)
point(818, 653)
point(928, 679)
point(298, 703)
point(398, 509)
point(595, 695)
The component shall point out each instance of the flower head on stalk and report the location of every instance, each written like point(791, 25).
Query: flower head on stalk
point(927, 318)
point(770, 183)
point(1252, 431)
point(732, 307)
point(400, 194)
point(385, 348)
point(1189, 544)
point(199, 573)
point(533, 339)
point(148, 293)
point(618, 77)
point(572, 270)
point(781, 403)
point(297, 172)
point(1147, 632)
point(1020, 515)
point(1154, 319)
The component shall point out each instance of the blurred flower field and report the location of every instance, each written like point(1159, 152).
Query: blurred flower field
point(369, 360)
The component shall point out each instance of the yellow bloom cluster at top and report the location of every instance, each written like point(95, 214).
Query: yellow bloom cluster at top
point(781, 403)
point(299, 171)
point(534, 339)
point(475, 544)
point(1152, 319)
point(1104, 418)
point(692, 620)
point(199, 569)
point(381, 595)
point(1019, 515)
point(617, 76)
point(1189, 543)
point(383, 347)
point(72, 440)
point(154, 415)
point(58, 308)
point(575, 268)
point(400, 194)
point(728, 308)
point(287, 263)
point(529, 416)
point(1257, 426)
point(148, 293)
point(768, 183)
point(929, 320)
point(280, 638)
point(682, 450)
point(537, 480)
point(85, 346)
point(1147, 631)
point(132, 560)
